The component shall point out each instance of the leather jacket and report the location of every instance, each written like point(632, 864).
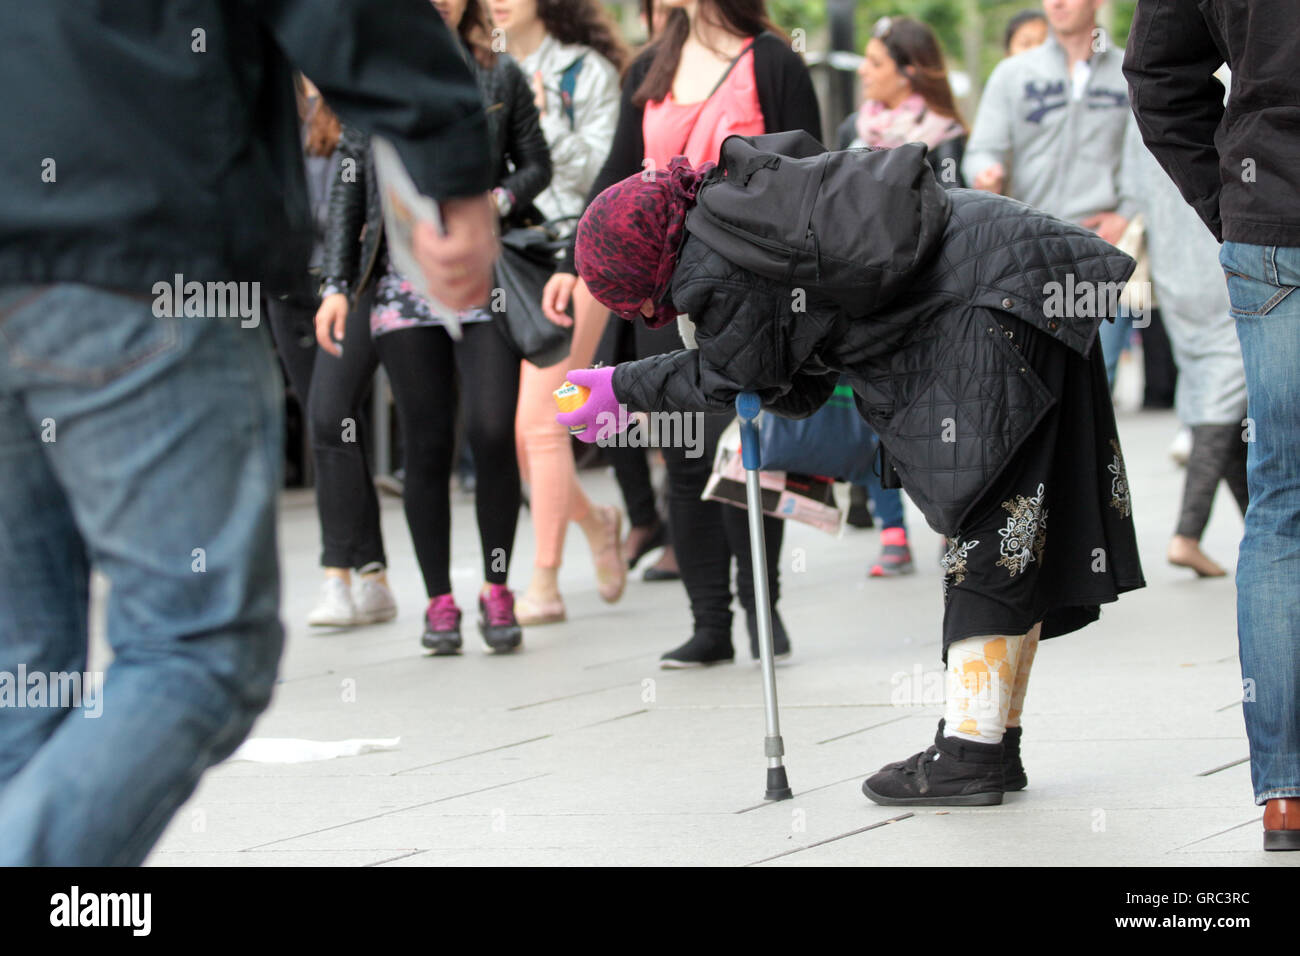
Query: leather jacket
point(517, 151)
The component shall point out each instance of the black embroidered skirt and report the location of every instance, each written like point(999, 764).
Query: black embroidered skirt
point(1053, 539)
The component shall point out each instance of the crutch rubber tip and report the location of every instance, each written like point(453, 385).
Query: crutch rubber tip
point(778, 787)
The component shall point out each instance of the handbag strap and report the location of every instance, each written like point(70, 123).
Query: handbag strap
point(716, 86)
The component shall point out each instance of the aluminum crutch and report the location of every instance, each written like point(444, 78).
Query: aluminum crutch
point(748, 407)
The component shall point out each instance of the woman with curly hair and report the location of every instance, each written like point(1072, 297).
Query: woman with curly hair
point(571, 56)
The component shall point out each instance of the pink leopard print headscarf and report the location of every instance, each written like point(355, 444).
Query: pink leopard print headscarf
point(629, 238)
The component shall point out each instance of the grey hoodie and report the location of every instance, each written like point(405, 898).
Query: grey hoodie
point(1061, 154)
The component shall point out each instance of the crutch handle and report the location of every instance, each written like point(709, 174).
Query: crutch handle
point(748, 407)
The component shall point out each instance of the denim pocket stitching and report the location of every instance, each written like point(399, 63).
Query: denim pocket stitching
point(96, 376)
point(1268, 306)
point(24, 301)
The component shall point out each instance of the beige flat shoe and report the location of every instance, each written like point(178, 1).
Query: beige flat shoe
point(531, 613)
point(1186, 553)
point(611, 568)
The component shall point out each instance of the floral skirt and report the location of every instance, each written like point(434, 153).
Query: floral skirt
point(398, 306)
point(1053, 539)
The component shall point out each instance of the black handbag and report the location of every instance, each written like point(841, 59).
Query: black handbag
point(527, 260)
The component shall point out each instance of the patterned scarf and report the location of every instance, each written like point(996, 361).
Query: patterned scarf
point(910, 122)
point(630, 236)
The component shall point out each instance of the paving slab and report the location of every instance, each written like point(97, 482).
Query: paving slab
point(581, 751)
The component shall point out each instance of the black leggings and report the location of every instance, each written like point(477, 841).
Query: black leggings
point(631, 468)
point(333, 392)
point(708, 535)
point(1218, 452)
point(430, 374)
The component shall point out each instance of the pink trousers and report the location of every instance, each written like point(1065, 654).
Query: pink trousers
point(545, 452)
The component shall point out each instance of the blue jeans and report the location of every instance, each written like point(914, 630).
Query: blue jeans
point(1262, 283)
point(1114, 339)
point(888, 501)
point(149, 448)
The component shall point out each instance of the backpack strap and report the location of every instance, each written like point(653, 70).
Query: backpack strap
point(569, 83)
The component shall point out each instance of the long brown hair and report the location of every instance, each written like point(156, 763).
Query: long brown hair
point(323, 128)
point(474, 32)
point(585, 22)
point(742, 17)
point(914, 48)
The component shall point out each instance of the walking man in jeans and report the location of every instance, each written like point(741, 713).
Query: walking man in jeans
point(1237, 166)
point(151, 186)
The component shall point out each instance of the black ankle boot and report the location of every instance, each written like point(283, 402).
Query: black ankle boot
point(702, 650)
point(951, 773)
point(780, 639)
point(1013, 771)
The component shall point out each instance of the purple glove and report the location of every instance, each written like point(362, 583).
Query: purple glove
point(601, 412)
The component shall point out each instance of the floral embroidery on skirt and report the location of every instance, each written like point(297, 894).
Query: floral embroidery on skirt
point(954, 563)
point(1119, 497)
point(1025, 534)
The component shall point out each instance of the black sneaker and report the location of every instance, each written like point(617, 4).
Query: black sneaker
point(442, 626)
point(780, 640)
point(1013, 771)
point(702, 650)
point(950, 773)
point(497, 622)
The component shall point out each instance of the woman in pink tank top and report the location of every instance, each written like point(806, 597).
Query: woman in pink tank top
point(696, 130)
point(762, 86)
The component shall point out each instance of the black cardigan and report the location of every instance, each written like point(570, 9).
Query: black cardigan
point(785, 96)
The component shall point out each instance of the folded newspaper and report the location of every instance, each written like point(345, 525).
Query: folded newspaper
point(405, 208)
point(805, 498)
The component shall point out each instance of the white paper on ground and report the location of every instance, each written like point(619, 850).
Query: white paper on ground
point(404, 207)
point(297, 750)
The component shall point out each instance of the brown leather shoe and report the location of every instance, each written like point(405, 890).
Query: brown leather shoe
point(1282, 824)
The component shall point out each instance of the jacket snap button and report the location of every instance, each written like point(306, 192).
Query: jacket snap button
point(1051, 325)
point(1007, 303)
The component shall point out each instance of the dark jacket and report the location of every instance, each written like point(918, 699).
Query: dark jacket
point(932, 371)
point(517, 155)
point(945, 159)
point(1238, 166)
point(785, 97)
point(167, 130)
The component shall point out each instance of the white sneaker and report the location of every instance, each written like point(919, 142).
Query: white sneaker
point(335, 608)
point(374, 602)
point(1180, 449)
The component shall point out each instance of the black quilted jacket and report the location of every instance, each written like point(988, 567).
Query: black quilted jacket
point(516, 148)
point(932, 371)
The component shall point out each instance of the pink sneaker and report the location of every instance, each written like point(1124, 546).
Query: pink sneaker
point(895, 555)
point(496, 621)
point(442, 626)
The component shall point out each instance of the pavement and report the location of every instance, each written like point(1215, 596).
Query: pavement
point(580, 750)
